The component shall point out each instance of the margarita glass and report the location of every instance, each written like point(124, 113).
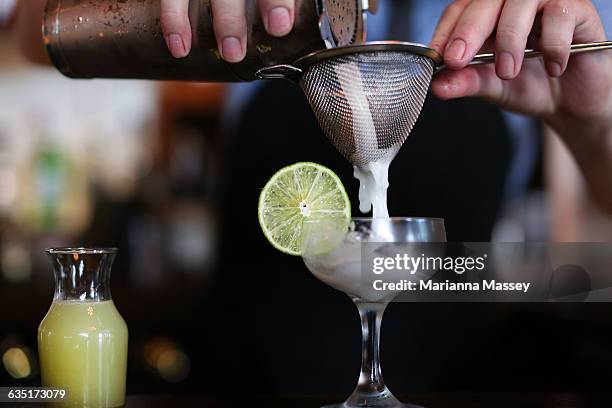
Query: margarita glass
point(341, 268)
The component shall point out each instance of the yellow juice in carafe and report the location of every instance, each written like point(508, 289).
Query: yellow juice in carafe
point(83, 347)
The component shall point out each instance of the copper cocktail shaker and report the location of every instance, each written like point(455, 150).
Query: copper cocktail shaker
point(123, 39)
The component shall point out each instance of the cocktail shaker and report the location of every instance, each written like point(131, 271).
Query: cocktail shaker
point(123, 39)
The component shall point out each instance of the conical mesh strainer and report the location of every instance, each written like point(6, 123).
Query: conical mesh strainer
point(368, 97)
point(368, 103)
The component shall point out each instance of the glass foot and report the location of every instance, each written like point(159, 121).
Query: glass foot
point(398, 405)
point(381, 400)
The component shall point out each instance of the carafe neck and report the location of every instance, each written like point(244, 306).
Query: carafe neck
point(82, 274)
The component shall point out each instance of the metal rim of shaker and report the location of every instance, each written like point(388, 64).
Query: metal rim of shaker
point(373, 46)
point(51, 35)
point(327, 31)
point(81, 251)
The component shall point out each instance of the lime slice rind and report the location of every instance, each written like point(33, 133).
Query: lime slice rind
point(298, 193)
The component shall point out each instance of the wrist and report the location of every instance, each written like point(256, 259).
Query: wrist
point(589, 129)
point(585, 137)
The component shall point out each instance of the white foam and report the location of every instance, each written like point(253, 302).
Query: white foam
point(373, 185)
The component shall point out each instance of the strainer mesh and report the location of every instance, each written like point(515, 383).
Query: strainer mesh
point(367, 103)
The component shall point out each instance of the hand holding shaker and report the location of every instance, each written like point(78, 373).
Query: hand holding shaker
point(123, 39)
point(83, 340)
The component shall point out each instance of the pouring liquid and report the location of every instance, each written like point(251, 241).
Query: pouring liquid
point(374, 176)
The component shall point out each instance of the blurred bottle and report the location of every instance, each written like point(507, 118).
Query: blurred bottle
point(53, 187)
point(8, 176)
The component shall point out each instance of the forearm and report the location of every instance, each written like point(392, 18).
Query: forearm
point(591, 146)
point(27, 30)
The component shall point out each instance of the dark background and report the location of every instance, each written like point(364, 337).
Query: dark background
point(251, 320)
point(198, 283)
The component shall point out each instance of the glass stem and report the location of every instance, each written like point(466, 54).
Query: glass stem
point(370, 379)
point(371, 390)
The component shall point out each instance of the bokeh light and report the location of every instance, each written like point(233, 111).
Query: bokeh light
point(15, 261)
point(17, 363)
point(165, 357)
point(173, 365)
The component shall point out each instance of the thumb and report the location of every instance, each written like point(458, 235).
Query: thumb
point(479, 81)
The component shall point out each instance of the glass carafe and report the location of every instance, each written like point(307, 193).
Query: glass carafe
point(82, 341)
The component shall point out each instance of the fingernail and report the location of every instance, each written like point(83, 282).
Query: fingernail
point(176, 46)
point(505, 65)
point(554, 68)
point(279, 21)
point(231, 49)
point(455, 50)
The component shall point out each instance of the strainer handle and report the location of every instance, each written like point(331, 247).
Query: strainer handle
point(575, 49)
